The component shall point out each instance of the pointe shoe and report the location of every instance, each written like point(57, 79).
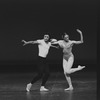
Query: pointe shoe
point(28, 87)
point(70, 88)
point(81, 67)
point(43, 89)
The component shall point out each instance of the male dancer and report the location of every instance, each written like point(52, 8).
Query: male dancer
point(43, 69)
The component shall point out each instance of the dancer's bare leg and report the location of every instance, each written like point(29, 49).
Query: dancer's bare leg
point(67, 65)
point(66, 68)
point(69, 82)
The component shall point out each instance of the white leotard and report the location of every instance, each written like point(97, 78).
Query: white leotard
point(67, 48)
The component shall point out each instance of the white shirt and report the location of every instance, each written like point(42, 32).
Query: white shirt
point(43, 48)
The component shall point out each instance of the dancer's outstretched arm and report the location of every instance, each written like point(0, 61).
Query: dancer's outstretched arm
point(54, 41)
point(81, 41)
point(55, 46)
point(29, 42)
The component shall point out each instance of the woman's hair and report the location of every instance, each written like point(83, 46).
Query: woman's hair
point(64, 35)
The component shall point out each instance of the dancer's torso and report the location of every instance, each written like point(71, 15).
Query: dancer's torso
point(67, 48)
point(43, 48)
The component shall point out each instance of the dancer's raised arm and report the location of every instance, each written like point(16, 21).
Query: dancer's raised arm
point(29, 42)
point(81, 40)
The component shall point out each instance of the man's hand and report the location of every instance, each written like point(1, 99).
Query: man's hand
point(24, 42)
point(57, 47)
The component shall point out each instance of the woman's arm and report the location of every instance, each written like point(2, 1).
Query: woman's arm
point(81, 40)
point(29, 42)
point(53, 41)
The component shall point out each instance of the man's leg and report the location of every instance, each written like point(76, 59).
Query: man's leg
point(45, 77)
point(38, 76)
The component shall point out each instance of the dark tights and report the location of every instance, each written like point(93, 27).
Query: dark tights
point(43, 71)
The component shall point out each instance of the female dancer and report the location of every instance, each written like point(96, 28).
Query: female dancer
point(68, 57)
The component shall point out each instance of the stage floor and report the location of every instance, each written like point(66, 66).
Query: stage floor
point(12, 87)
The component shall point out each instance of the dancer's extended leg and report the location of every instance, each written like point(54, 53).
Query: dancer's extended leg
point(67, 65)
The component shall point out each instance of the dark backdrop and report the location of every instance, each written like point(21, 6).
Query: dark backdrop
point(30, 19)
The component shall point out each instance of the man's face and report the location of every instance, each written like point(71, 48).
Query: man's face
point(46, 37)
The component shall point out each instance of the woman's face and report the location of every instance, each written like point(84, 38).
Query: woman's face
point(66, 37)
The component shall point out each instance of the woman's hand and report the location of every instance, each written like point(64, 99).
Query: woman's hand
point(79, 31)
